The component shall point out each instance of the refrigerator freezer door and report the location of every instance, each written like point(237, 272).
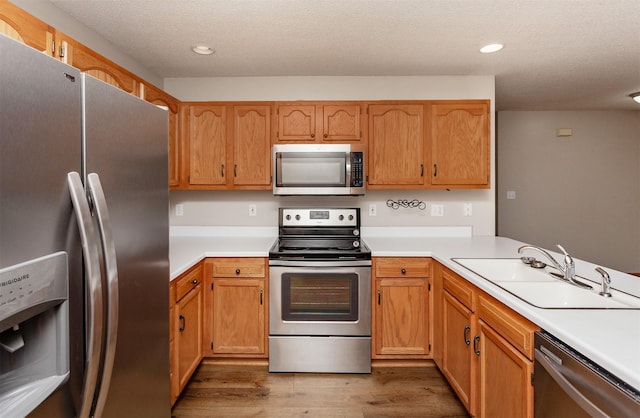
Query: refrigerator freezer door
point(126, 145)
point(40, 126)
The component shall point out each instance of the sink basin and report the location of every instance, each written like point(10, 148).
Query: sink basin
point(537, 288)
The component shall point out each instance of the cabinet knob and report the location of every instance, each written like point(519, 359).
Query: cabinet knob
point(313, 135)
point(403, 271)
point(194, 281)
point(326, 135)
point(237, 271)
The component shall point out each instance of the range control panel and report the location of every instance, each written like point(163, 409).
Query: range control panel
point(320, 217)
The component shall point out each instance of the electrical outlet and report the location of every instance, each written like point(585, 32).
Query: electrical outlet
point(373, 211)
point(437, 210)
point(253, 210)
point(467, 209)
point(179, 209)
point(511, 195)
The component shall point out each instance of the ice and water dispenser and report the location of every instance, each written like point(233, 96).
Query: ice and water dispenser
point(34, 332)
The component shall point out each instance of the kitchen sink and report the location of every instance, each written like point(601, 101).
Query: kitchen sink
point(537, 288)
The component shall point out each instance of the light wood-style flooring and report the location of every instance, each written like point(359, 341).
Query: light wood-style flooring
point(251, 391)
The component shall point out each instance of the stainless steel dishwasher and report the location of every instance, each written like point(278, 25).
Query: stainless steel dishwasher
point(567, 384)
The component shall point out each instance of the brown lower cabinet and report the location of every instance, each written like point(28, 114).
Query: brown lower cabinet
point(483, 348)
point(236, 307)
point(185, 341)
point(401, 308)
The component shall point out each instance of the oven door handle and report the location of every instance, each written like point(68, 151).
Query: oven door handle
point(307, 263)
point(573, 392)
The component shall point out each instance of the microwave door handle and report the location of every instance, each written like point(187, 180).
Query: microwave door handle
point(278, 169)
point(571, 391)
point(348, 169)
point(93, 281)
point(111, 271)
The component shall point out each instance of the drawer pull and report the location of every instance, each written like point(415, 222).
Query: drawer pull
point(237, 271)
point(403, 271)
point(467, 341)
point(183, 324)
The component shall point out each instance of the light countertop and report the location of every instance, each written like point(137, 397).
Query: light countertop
point(610, 338)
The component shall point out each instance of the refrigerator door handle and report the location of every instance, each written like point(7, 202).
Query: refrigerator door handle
point(111, 270)
point(93, 280)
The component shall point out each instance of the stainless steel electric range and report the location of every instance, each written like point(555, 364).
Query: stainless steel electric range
point(320, 290)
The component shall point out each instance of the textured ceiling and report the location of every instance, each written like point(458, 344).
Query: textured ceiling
point(559, 54)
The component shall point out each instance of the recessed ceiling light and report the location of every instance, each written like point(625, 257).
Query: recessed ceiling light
point(635, 96)
point(488, 49)
point(202, 50)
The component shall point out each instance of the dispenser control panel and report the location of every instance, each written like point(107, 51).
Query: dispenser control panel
point(37, 281)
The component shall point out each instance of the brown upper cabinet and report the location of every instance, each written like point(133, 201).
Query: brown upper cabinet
point(227, 146)
point(396, 146)
point(158, 97)
point(430, 144)
point(251, 135)
point(304, 122)
point(206, 144)
point(88, 61)
point(460, 145)
point(21, 26)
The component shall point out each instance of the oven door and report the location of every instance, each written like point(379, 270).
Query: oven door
point(320, 300)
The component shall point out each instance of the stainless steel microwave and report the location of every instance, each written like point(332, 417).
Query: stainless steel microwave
point(318, 169)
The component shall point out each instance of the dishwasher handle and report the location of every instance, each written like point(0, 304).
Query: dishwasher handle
point(571, 391)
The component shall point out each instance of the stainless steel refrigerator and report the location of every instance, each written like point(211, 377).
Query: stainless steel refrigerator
point(84, 241)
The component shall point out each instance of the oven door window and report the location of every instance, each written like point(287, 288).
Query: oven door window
point(319, 297)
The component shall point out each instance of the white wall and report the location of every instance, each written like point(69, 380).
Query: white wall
point(231, 207)
point(582, 191)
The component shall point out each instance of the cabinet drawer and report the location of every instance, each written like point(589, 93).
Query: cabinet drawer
point(188, 281)
point(239, 267)
point(402, 267)
point(459, 288)
point(511, 326)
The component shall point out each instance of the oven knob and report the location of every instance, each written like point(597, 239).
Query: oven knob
point(341, 217)
point(356, 244)
point(351, 217)
point(356, 232)
point(288, 217)
point(297, 217)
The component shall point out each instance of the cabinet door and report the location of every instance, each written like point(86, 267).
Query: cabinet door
point(21, 26)
point(160, 98)
point(460, 145)
point(252, 145)
point(438, 301)
point(188, 340)
point(401, 325)
point(90, 62)
point(239, 316)
point(458, 358)
point(396, 145)
point(207, 145)
point(504, 378)
point(341, 123)
point(297, 123)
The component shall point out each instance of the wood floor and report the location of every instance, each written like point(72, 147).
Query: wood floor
point(251, 391)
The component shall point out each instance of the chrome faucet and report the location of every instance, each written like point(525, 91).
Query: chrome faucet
point(568, 270)
point(606, 283)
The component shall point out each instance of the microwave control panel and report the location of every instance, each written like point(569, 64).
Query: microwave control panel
point(357, 169)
